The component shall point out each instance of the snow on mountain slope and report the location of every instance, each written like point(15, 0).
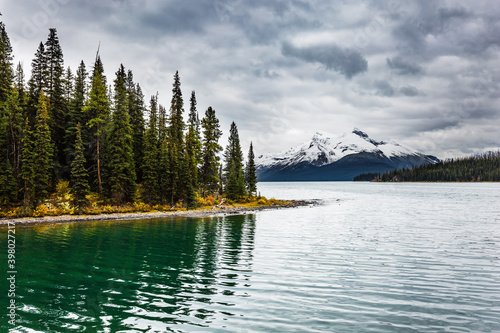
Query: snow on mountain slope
point(324, 149)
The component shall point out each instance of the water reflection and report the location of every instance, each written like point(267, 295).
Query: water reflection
point(140, 275)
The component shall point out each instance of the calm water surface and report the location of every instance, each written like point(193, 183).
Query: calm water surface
point(372, 258)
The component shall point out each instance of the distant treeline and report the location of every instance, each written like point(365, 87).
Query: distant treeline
point(484, 167)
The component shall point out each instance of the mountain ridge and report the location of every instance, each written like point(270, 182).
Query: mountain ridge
point(327, 157)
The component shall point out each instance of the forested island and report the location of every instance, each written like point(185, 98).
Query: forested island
point(483, 167)
point(71, 144)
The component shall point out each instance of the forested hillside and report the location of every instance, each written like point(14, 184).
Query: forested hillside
point(101, 138)
point(485, 167)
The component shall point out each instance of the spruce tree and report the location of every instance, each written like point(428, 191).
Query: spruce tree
point(97, 112)
point(150, 167)
point(122, 177)
point(193, 152)
point(8, 126)
point(79, 176)
point(8, 185)
point(175, 146)
point(28, 166)
point(57, 107)
point(38, 155)
point(37, 81)
point(210, 152)
point(6, 69)
point(163, 151)
point(75, 116)
point(233, 172)
point(250, 173)
point(136, 111)
point(13, 114)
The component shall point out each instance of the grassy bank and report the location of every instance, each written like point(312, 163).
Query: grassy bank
point(59, 204)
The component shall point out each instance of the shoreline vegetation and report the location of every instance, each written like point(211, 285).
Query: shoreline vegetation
point(80, 143)
point(125, 213)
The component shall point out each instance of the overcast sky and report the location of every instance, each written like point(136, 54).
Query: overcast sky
point(423, 73)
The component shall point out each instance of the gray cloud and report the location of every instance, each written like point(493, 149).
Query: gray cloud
point(251, 61)
point(384, 88)
point(344, 61)
point(402, 67)
point(409, 91)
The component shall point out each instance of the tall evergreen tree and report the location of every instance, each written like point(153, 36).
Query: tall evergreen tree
point(97, 112)
point(75, 116)
point(122, 178)
point(176, 161)
point(8, 185)
point(163, 151)
point(6, 69)
point(250, 172)
point(37, 81)
point(19, 79)
point(38, 156)
point(210, 152)
point(8, 109)
point(68, 86)
point(79, 176)
point(57, 107)
point(28, 166)
point(136, 111)
point(14, 115)
point(233, 171)
point(150, 167)
point(193, 152)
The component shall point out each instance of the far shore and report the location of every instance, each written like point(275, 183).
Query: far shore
point(198, 213)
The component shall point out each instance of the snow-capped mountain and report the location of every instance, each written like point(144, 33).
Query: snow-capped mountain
point(327, 157)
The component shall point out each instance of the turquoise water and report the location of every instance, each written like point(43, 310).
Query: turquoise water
point(371, 258)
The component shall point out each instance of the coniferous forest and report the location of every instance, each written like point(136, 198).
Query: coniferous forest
point(92, 139)
point(484, 167)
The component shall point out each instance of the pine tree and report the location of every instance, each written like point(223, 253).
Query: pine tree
point(175, 145)
point(136, 110)
point(8, 185)
point(68, 86)
point(28, 166)
point(57, 107)
point(13, 141)
point(79, 176)
point(75, 116)
point(233, 172)
point(8, 110)
point(250, 173)
point(210, 151)
point(97, 112)
point(37, 156)
point(6, 70)
point(150, 167)
point(37, 81)
point(122, 178)
point(163, 151)
point(193, 152)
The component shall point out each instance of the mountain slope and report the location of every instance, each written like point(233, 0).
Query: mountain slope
point(338, 158)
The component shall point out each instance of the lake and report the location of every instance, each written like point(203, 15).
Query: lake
point(374, 257)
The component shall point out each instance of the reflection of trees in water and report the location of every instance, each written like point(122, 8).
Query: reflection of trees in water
point(134, 274)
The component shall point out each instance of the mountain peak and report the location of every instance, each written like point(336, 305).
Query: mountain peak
point(360, 133)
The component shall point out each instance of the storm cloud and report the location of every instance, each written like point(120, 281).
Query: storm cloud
point(423, 73)
point(403, 67)
point(347, 62)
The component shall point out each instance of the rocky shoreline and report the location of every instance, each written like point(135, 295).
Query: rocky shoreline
point(212, 212)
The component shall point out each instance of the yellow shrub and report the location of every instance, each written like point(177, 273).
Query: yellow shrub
point(107, 209)
point(62, 190)
point(142, 207)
